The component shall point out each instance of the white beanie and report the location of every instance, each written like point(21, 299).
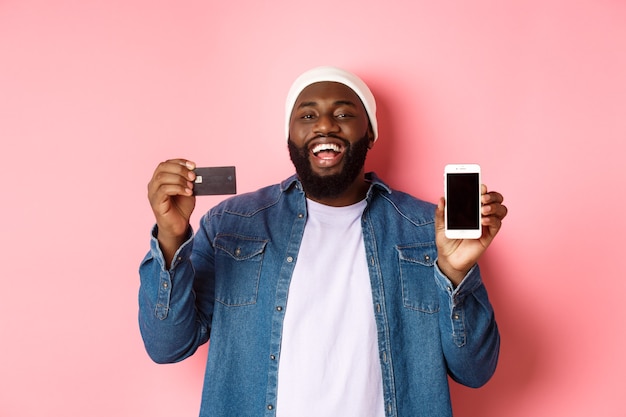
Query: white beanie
point(333, 74)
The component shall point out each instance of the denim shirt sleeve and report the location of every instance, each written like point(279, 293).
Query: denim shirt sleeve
point(470, 337)
point(169, 322)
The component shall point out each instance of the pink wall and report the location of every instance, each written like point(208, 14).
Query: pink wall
point(94, 94)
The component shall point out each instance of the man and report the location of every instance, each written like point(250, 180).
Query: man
point(329, 294)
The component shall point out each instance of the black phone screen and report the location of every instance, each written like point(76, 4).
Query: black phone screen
point(463, 201)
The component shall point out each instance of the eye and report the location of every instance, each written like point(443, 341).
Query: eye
point(343, 112)
point(307, 116)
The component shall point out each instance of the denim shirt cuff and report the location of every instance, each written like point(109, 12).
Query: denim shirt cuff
point(181, 254)
point(469, 283)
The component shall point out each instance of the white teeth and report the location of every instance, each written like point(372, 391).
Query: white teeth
point(325, 147)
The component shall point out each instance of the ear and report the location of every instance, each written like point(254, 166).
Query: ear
point(370, 135)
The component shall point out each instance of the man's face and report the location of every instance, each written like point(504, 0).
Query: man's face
point(329, 136)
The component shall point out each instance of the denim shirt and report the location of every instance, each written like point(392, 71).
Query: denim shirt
point(230, 283)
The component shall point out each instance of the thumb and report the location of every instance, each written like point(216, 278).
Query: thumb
point(439, 215)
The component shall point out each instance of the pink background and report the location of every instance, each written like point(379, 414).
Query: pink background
point(93, 94)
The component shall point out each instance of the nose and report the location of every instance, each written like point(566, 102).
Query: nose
point(326, 124)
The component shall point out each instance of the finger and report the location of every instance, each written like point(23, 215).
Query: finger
point(183, 162)
point(501, 211)
point(181, 167)
point(172, 171)
point(491, 197)
point(166, 186)
point(492, 224)
point(170, 190)
point(174, 178)
point(439, 214)
point(494, 210)
point(167, 183)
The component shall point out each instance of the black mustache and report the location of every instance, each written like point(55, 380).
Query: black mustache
point(330, 135)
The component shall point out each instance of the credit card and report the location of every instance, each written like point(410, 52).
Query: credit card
point(215, 181)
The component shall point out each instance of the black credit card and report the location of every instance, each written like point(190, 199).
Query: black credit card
point(215, 181)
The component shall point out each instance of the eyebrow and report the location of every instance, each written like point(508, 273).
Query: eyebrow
point(336, 103)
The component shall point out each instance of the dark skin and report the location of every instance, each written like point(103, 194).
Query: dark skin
point(324, 113)
point(331, 113)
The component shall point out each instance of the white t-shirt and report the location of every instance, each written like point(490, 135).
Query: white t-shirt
point(329, 363)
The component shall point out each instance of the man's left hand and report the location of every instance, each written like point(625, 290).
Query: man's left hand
point(457, 256)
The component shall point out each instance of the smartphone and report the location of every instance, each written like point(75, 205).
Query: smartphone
point(215, 181)
point(462, 193)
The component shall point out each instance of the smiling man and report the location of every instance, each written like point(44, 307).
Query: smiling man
point(329, 294)
point(329, 136)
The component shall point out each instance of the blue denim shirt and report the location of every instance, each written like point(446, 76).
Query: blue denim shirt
point(230, 282)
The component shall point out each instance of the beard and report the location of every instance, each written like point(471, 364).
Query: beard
point(328, 186)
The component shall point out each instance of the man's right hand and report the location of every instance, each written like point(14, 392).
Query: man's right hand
point(170, 192)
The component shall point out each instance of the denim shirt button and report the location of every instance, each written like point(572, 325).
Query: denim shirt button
point(279, 308)
point(272, 357)
point(290, 259)
point(300, 215)
point(270, 407)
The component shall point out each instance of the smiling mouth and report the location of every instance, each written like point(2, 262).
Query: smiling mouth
point(326, 149)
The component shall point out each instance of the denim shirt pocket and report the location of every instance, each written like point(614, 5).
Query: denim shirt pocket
point(419, 290)
point(238, 261)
